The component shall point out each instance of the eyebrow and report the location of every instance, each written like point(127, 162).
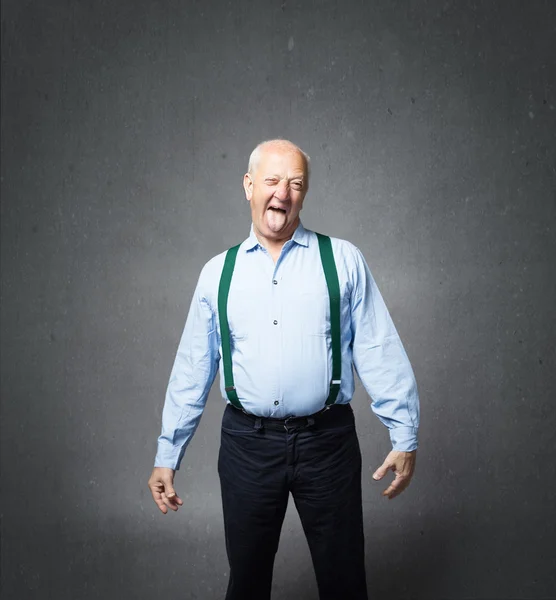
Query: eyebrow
point(302, 177)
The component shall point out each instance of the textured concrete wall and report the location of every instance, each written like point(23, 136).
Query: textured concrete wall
point(126, 128)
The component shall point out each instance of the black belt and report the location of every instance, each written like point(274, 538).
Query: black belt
point(289, 422)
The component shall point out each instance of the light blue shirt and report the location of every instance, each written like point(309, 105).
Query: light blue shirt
point(279, 318)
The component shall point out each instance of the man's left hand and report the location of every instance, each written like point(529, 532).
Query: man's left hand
point(403, 465)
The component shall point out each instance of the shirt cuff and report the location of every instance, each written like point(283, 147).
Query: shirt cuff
point(168, 456)
point(404, 439)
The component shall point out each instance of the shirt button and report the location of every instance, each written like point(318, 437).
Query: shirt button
point(275, 322)
point(276, 402)
point(274, 282)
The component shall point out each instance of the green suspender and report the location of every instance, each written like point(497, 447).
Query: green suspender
point(223, 291)
point(331, 275)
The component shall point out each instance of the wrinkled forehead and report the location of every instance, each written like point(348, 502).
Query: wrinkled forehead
point(287, 163)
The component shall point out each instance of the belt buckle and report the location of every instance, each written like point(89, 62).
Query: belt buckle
point(286, 422)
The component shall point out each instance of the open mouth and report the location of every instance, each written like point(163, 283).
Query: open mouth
point(275, 208)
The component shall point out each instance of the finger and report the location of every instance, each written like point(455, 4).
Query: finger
point(157, 497)
point(381, 471)
point(396, 487)
point(169, 502)
point(175, 499)
point(171, 493)
point(165, 499)
point(157, 490)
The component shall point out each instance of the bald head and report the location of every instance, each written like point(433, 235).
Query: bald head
point(277, 145)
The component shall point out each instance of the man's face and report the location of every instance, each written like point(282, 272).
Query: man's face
point(276, 191)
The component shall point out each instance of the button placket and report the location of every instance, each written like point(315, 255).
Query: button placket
point(276, 306)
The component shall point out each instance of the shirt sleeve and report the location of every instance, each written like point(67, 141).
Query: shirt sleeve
point(381, 362)
point(191, 378)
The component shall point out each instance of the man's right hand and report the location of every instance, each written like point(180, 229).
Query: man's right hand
point(161, 484)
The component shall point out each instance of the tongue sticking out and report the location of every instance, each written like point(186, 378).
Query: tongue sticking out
point(275, 218)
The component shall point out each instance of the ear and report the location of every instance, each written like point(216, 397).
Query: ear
point(248, 186)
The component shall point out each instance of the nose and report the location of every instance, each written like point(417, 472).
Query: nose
point(282, 190)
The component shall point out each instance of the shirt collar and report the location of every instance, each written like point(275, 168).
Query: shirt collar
point(300, 236)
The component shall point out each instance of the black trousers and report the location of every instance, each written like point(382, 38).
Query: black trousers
point(319, 461)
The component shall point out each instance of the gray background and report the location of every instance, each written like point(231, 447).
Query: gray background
point(126, 128)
